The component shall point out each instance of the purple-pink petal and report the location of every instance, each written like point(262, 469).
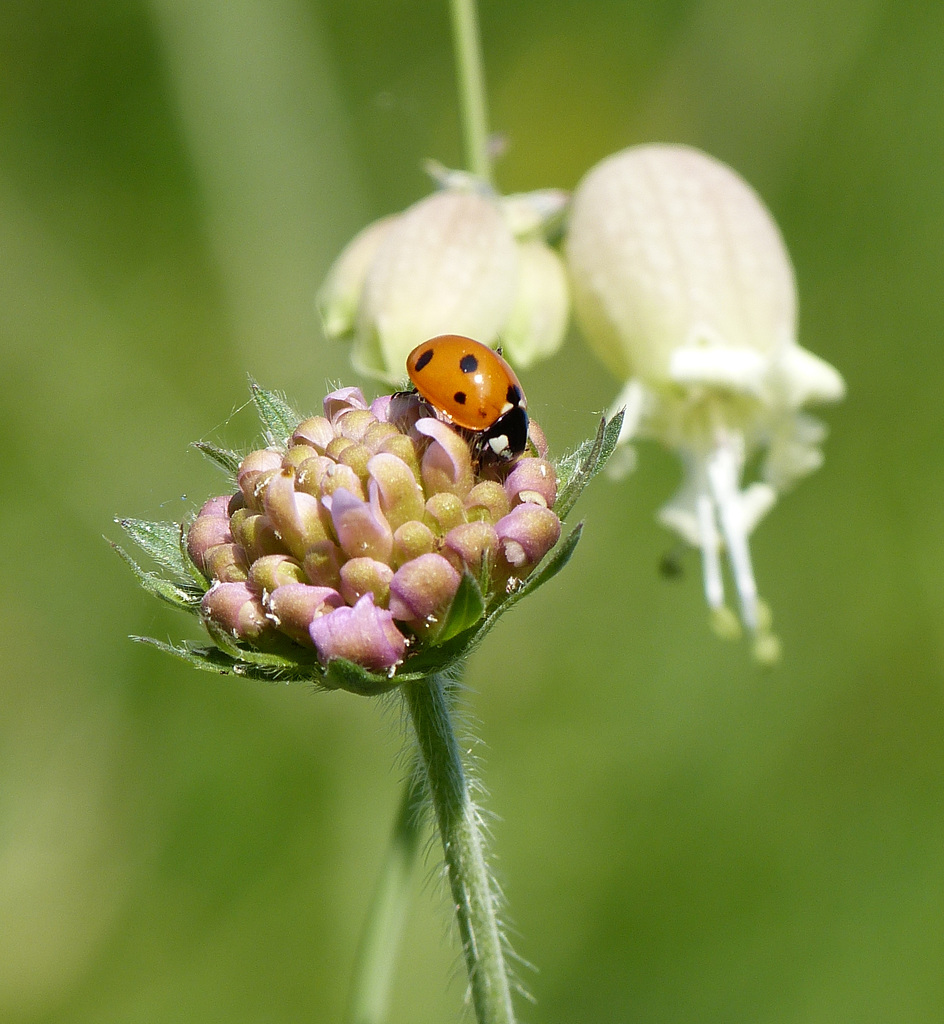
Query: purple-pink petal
point(447, 462)
point(294, 606)
point(422, 589)
point(342, 400)
point(364, 634)
point(361, 528)
point(235, 609)
point(526, 534)
point(532, 480)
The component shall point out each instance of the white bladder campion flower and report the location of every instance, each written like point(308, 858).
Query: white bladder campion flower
point(464, 260)
point(683, 286)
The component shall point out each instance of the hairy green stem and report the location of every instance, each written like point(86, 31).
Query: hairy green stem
point(376, 955)
point(471, 84)
point(460, 830)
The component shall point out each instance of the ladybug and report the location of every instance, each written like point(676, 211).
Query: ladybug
point(470, 385)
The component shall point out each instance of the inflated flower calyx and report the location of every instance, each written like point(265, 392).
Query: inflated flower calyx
point(462, 260)
point(683, 286)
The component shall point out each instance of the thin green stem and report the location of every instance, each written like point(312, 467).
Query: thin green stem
point(460, 829)
point(471, 84)
point(376, 955)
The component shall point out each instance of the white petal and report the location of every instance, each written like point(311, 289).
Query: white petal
point(735, 369)
point(804, 377)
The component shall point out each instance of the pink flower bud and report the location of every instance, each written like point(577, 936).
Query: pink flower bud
point(360, 526)
point(473, 545)
point(422, 590)
point(447, 464)
point(340, 401)
point(401, 497)
point(206, 532)
point(296, 516)
point(218, 506)
point(254, 470)
point(236, 610)
point(315, 431)
point(364, 634)
point(294, 606)
point(526, 535)
point(532, 480)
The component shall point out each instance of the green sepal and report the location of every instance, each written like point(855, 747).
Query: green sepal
point(212, 659)
point(185, 596)
point(161, 541)
point(342, 674)
point(467, 608)
point(279, 419)
point(580, 466)
point(228, 461)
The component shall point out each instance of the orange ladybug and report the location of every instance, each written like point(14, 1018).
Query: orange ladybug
point(469, 384)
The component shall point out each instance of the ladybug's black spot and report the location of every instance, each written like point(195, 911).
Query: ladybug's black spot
point(459, 398)
point(423, 360)
point(514, 396)
point(468, 364)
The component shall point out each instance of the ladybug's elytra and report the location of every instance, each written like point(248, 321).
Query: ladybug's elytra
point(470, 385)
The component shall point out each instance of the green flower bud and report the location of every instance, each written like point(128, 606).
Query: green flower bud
point(488, 500)
point(255, 534)
point(361, 576)
point(226, 563)
point(401, 497)
point(443, 512)
point(323, 564)
point(273, 571)
point(410, 541)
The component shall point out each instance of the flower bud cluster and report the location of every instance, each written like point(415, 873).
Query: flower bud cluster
point(354, 538)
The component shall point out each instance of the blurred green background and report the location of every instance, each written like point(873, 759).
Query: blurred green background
point(680, 835)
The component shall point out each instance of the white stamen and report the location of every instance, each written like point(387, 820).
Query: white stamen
point(710, 556)
point(724, 477)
